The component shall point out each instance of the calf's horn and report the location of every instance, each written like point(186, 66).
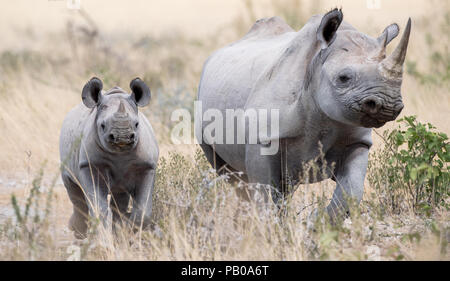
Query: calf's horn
point(121, 107)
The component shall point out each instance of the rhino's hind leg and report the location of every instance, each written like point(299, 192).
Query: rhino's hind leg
point(221, 166)
point(78, 222)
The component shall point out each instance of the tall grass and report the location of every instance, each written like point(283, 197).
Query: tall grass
point(198, 216)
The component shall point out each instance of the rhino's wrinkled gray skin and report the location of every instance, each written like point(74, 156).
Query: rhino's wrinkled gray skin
point(331, 83)
point(108, 147)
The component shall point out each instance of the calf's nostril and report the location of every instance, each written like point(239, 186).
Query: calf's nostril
point(132, 137)
point(111, 137)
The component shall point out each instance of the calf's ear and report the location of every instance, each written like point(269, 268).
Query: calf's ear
point(92, 92)
point(140, 92)
point(326, 33)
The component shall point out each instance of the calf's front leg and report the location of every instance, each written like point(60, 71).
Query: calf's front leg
point(95, 188)
point(140, 216)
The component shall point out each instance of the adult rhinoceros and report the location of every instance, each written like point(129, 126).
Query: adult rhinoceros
point(331, 84)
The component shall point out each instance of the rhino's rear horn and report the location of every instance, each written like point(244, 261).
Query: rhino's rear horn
point(91, 93)
point(394, 63)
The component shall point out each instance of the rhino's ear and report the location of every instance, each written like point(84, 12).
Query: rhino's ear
point(140, 92)
point(92, 92)
point(388, 34)
point(326, 33)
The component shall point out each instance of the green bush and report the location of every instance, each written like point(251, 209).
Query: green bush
point(413, 168)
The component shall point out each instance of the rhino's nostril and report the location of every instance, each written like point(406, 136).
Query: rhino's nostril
point(132, 137)
point(111, 137)
point(371, 105)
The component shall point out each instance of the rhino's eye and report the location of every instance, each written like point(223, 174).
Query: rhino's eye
point(137, 124)
point(102, 126)
point(343, 78)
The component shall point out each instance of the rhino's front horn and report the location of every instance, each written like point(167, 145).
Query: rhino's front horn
point(393, 64)
point(121, 108)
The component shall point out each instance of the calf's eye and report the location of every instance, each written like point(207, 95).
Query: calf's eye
point(137, 124)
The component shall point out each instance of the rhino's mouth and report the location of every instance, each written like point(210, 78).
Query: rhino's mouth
point(372, 122)
point(375, 113)
point(122, 146)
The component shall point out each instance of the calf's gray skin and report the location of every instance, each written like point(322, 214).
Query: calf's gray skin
point(108, 147)
point(331, 84)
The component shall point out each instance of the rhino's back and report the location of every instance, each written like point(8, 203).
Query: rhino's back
point(230, 72)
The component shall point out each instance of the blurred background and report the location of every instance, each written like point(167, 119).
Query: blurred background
point(50, 48)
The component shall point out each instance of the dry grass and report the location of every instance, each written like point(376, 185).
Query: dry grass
point(197, 215)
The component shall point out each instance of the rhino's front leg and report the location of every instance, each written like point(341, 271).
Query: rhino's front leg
point(140, 216)
point(95, 187)
point(351, 171)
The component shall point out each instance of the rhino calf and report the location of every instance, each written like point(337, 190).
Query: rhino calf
point(108, 147)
